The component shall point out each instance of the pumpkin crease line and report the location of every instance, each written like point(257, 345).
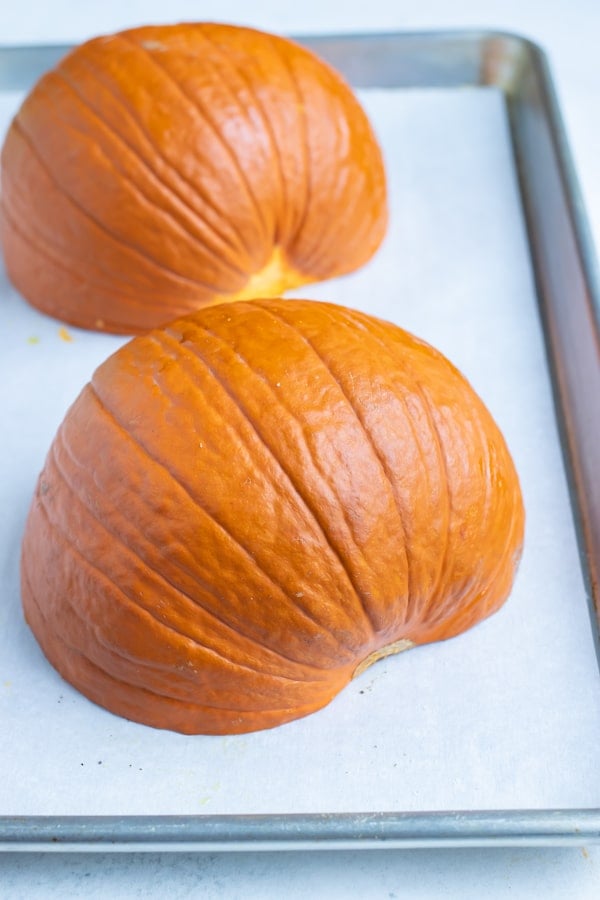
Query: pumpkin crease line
point(431, 412)
point(185, 350)
point(148, 201)
point(370, 441)
point(281, 465)
point(288, 66)
point(316, 258)
point(193, 186)
point(112, 236)
point(353, 316)
point(146, 613)
point(188, 211)
point(44, 247)
point(196, 104)
point(152, 692)
point(197, 605)
point(358, 317)
point(200, 359)
point(255, 94)
point(317, 248)
point(466, 609)
point(271, 232)
point(196, 501)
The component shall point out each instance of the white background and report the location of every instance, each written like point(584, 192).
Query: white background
point(569, 32)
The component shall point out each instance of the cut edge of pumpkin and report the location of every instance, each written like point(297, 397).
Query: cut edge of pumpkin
point(275, 278)
point(389, 650)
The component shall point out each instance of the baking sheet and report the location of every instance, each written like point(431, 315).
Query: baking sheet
point(506, 716)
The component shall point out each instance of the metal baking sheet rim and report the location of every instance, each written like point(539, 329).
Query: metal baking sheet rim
point(570, 315)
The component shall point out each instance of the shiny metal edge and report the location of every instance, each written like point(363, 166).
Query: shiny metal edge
point(568, 290)
point(569, 298)
point(286, 832)
point(444, 59)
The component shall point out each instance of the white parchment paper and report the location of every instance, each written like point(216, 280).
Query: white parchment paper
point(505, 716)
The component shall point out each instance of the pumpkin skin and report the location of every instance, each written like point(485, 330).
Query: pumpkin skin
point(243, 510)
point(166, 168)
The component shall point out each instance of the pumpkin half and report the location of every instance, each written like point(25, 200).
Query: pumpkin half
point(243, 510)
point(164, 168)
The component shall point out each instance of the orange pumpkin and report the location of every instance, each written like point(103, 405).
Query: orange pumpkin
point(242, 511)
point(162, 169)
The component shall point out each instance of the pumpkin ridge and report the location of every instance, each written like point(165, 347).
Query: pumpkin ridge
point(208, 233)
point(315, 256)
point(475, 421)
point(410, 607)
point(148, 202)
point(86, 214)
point(194, 102)
point(43, 247)
point(195, 603)
point(186, 350)
point(36, 239)
point(466, 609)
point(196, 501)
point(233, 93)
point(371, 332)
point(479, 409)
point(228, 60)
point(289, 68)
point(284, 468)
point(45, 250)
point(441, 611)
point(350, 318)
point(316, 259)
point(435, 431)
point(210, 211)
point(69, 544)
point(325, 190)
point(155, 693)
point(369, 438)
point(146, 614)
point(384, 466)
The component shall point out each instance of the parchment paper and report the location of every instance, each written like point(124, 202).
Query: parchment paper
point(505, 716)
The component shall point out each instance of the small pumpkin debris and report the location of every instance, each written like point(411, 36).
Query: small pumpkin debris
point(65, 335)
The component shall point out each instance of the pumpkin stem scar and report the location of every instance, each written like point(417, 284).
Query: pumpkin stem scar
point(388, 650)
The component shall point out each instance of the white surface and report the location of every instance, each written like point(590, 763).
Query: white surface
point(571, 40)
point(505, 716)
point(371, 875)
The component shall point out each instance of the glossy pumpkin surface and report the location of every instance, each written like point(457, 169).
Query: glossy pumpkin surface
point(164, 168)
point(244, 509)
